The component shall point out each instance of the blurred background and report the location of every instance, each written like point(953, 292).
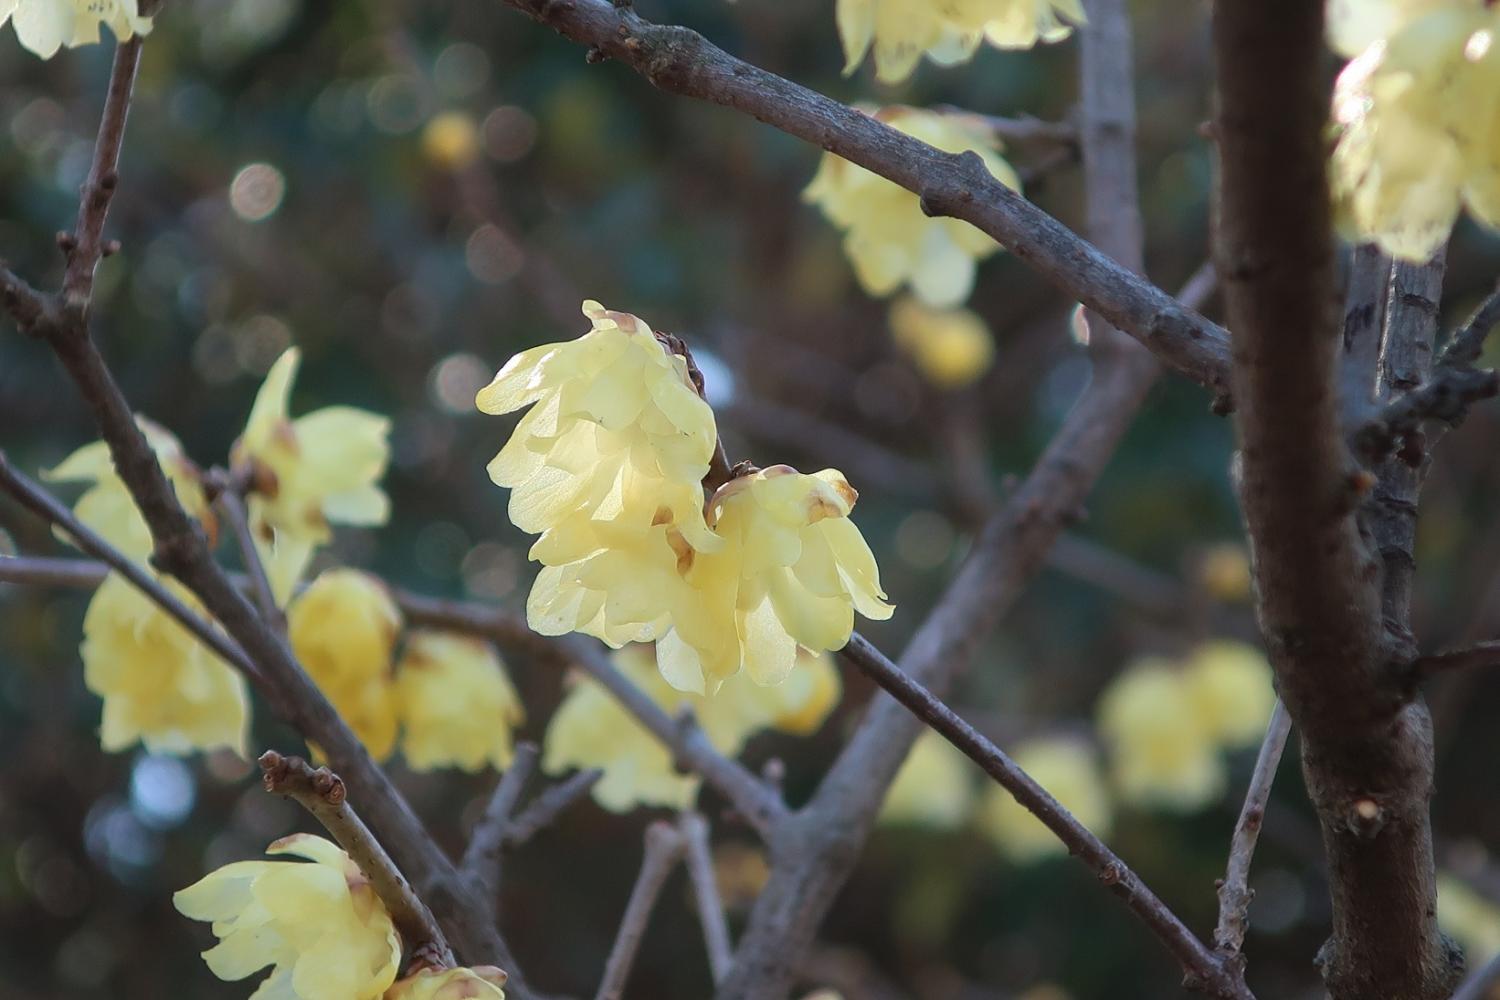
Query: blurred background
point(412, 192)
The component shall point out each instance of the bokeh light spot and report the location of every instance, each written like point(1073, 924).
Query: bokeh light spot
point(256, 191)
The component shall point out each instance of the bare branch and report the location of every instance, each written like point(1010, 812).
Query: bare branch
point(1234, 889)
point(548, 806)
point(481, 860)
point(1479, 985)
point(322, 793)
point(41, 571)
point(700, 866)
point(27, 306)
point(232, 507)
point(1479, 656)
point(1364, 319)
point(1446, 396)
point(683, 62)
point(1467, 343)
point(663, 849)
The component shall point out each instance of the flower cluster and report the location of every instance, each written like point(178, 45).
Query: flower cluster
point(591, 729)
point(44, 26)
point(903, 31)
point(1416, 116)
point(607, 466)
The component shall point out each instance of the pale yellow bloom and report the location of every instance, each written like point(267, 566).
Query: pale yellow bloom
point(952, 347)
point(1418, 120)
point(320, 926)
point(107, 507)
point(457, 705)
point(591, 729)
point(946, 31)
point(44, 26)
point(1473, 920)
point(607, 468)
point(160, 685)
point(1162, 752)
point(1069, 770)
point(934, 788)
point(798, 705)
point(343, 629)
point(482, 982)
point(1225, 572)
point(1355, 25)
point(792, 571)
point(1229, 686)
point(316, 470)
point(888, 239)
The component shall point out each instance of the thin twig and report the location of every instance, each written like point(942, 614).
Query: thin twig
point(700, 866)
point(322, 793)
point(1234, 889)
point(27, 306)
point(663, 849)
point(1202, 966)
point(232, 507)
point(481, 860)
point(548, 806)
point(1478, 656)
point(1479, 985)
point(1467, 342)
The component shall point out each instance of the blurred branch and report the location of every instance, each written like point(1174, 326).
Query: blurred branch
point(1234, 890)
point(1467, 342)
point(1152, 591)
point(700, 866)
point(681, 61)
point(663, 849)
point(548, 806)
point(481, 861)
point(1479, 656)
point(1479, 985)
point(232, 507)
point(322, 793)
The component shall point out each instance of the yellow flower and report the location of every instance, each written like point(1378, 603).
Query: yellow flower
point(934, 787)
point(1469, 917)
point(457, 705)
point(482, 982)
point(451, 140)
point(107, 507)
point(318, 469)
point(160, 685)
point(952, 347)
point(1163, 753)
point(887, 237)
point(343, 629)
point(44, 26)
point(798, 705)
point(1418, 133)
point(1229, 686)
point(1066, 768)
point(591, 729)
point(320, 926)
point(1225, 572)
point(947, 32)
point(792, 572)
point(1355, 25)
point(607, 467)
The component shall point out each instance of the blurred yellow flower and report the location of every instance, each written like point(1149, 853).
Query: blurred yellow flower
point(316, 470)
point(320, 926)
point(888, 239)
point(591, 729)
point(160, 685)
point(952, 347)
point(1069, 770)
point(457, 705)
point(934, 788)
point(1355, 25)
point(107, 507)
point(1473, 920)
point(1224, 570)
point(1229, 686)
point(792, 572)
point(800, 704)
point(1417, 114)
point(450, 140)
point(44, 26)
point(902, 31)
point(1163, 753)
point(482, 982)
point(343, 629)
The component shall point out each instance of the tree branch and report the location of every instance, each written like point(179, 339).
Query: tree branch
point(663, 849)
point(549, 805)
point(481, 860)
point(1467, 343)
point(322, 793)
point(1479, 656)
point(1234, 889)
point(1364, 319)
point(700, 865)
point(682, 62)
point(232, 508)
point(1479, 985)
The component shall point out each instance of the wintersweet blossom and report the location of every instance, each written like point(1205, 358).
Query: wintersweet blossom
point(792, 572)
point(903, 31)
point(591, 729)
point(320, 926)
point(107, 507)
point(482, 982)
point(888, 239)
point(161, 686)
point(1417, 116)
point(343, 628)
point(44, 26)
point(457, 705)
point(319, 469)
point(934, 788)
point(1229, 685)
point(951, 347)
point(1163, 754)
point(1069, 770)
point(607, 467)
